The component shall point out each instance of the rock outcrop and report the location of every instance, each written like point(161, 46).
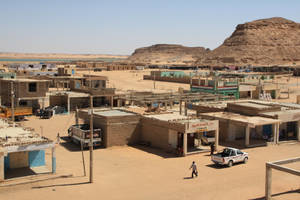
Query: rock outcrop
point(273, 41)
point(167, 54)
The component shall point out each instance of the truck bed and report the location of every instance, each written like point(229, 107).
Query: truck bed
point(6, 112)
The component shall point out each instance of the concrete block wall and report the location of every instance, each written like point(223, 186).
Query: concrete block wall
point(123, 134)
point(117, 131)
point(23, 89)
point(58, 100)
point(123, 130)
point(80, 102)
point(223, 130)
point(158, 136)
point(5, 92)
point(18, 160)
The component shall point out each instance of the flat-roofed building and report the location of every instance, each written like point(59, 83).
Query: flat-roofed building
point(22, 152)
point(27, 92)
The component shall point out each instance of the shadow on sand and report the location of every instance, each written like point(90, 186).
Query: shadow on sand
point(19, 172)
point(60, 185)
point(187, 178)
point(278, 194)
point(70, 146)
point(155, 151)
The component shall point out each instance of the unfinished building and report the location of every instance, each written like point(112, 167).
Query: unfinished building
point(66, 70)
point(22, 152)
point(80, 89)
point(184, 99)
point(27, 92)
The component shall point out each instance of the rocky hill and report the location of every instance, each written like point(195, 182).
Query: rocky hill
point(167, 54)
point(273, 41)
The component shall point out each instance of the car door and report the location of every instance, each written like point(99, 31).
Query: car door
point(234, 156)
point(240, 155)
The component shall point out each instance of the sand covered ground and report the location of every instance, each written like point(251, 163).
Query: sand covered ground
point(146, 173)
point(133, 80)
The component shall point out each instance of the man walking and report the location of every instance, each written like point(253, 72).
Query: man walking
point(212, 148)
point(57, 138)
point(194, 168)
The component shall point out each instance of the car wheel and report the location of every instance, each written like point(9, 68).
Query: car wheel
point(245, 160)
point(230, 163)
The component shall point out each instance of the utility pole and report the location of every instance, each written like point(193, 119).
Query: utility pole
point(91, 139)
point(154, 82)
point(12, 102)
point(91, 130)
point(191, 80)
point(81, 145)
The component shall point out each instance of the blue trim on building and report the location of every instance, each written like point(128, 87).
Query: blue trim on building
point(36, 158)
point(6, 162)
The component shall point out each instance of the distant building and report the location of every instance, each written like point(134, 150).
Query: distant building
point(32, 67)
point(66, 70)
point(7, 75)
point(216, 86)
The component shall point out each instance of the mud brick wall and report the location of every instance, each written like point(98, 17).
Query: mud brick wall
point(80, 102)
point(223, 130)
point(117, 131)
point(157, 135)
point(123, 130)
point(58, 101)
point(23, 89)
point(123, 134)
point(5, 92)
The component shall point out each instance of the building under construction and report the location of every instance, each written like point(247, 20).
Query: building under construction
point(22, 152)
point(26, 92)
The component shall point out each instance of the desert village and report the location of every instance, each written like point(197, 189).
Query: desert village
point(145, 118)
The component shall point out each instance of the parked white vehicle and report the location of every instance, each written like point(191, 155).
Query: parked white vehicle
point(229, 156)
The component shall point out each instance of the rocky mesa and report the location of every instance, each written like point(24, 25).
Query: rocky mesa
point(164, 54)
point(272, 41)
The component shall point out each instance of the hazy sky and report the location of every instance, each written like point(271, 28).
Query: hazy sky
point(119, 27)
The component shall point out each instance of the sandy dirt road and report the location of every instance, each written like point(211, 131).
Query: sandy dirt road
point(134, 173)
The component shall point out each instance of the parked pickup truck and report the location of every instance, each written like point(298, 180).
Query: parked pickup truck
point(229, 156)
point(80, 134)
